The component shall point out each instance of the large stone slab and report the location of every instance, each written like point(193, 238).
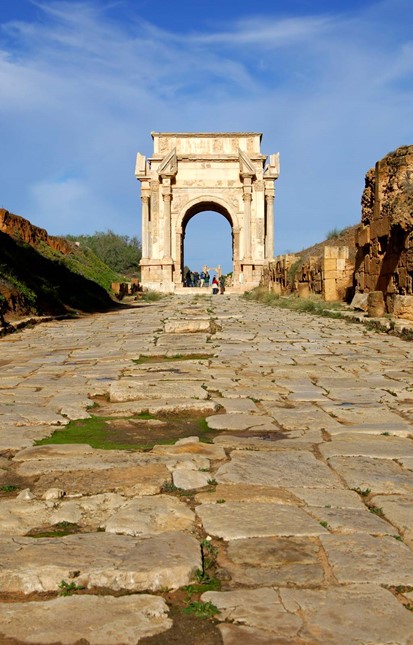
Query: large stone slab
point(356, 414)
point(17, 517)
point(235, 406)
point(400, 429)
point(344, 521)
point(160, 406)
point(258, 608)
point(238, 421)
point(329, 498)
point(137, 390)
point(197, 447)
point(377, 475)
point(236, 520)
point(150, 516)
point(350, 615)
point(236, 634)
point(188, 326)
point(99, 620)
point(398, 509)
point(287, 469)
point(301, 416)
point(246, 493)
point(190, 479)
point(273, 561)
point(104, 460)
point(131, 481)
point(366, 559)
point(116, 562)
point(382, 447)
point(15, 438)
point(51, 451)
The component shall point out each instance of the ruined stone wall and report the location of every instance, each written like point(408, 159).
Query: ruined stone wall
point(20, 228)
point(384, 240)
point(279, 274)
point(329, 274)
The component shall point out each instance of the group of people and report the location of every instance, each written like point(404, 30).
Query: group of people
point(195, 279)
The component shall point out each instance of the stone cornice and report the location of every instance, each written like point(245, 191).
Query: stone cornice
point(206, 157)
point(189, 135)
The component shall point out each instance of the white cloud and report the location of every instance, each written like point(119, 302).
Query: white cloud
point(265, 32)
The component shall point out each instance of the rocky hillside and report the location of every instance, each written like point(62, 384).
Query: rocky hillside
point(344, 237)
point(41, 274)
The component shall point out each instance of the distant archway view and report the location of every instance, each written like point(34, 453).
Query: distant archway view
point(207, 248)
point(194, 174)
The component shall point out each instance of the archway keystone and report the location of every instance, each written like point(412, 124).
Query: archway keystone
point(203, 171)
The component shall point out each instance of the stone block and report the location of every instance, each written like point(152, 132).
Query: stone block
point(375, 304)
point(379, 228)
point(359, 301)
point(363, 236)
point(403, 307)
point(91, 619)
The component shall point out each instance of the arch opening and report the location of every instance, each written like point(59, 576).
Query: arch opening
point(207, 238)
point(207, 241)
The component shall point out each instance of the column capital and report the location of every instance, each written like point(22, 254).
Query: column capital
point(247, 197)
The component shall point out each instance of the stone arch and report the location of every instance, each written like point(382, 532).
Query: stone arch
point(190, 172)
point(200, 204)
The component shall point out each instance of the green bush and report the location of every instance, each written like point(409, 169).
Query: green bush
point(120, 253)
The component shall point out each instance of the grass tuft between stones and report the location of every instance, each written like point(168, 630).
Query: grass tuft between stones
point(201, 609)
point(129, 433)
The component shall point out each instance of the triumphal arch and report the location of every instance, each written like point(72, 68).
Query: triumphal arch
point(191, 172)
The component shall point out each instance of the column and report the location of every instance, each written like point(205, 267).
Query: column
point(269, 225)
point(167, 198)
point(145, 226)
point(247, 225)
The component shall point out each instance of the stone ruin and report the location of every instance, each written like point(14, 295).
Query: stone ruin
point(329, 274)
point(382, 273)
point(384, 240)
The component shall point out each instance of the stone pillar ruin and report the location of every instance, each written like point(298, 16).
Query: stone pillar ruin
point(189, 173)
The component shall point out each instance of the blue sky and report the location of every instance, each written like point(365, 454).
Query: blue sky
point(328, 83)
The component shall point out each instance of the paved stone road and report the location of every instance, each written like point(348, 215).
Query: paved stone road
point(304, 498)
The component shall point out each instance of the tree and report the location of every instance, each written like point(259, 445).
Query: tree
point(119, 252)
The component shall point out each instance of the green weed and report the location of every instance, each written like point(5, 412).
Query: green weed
point(67, 588)
point(9, 488)
point(201, 609)
point(169, 487)
point(376, 511)
point(362, 492)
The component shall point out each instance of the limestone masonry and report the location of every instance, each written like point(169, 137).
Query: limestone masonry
point(193, 172)
point(384, 240)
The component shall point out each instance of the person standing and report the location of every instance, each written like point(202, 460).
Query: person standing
point(215, 285)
